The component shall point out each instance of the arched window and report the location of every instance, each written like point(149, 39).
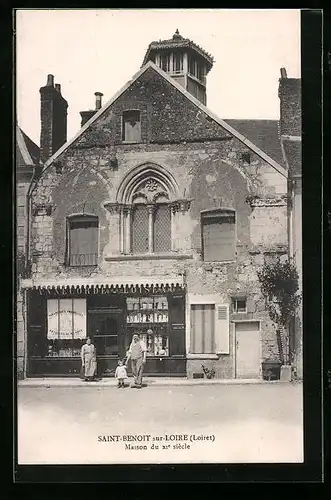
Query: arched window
point(150, 219)
point(82, 241)
point(146, 197)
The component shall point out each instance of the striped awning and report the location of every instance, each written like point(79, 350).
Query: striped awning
point(108, 285)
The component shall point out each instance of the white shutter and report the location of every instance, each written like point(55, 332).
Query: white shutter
point(222, 329)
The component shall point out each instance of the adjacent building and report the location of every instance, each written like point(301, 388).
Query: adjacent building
point(27, 165)
point(290, 137)
point(154, 219)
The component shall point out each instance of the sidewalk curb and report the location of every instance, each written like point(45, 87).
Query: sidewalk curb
point(150, 382)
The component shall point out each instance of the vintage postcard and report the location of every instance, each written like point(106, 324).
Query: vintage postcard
point(159, 273)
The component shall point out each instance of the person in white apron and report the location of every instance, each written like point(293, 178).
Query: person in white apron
point(89, 360)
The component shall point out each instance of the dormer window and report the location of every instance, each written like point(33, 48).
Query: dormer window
point(131, 129)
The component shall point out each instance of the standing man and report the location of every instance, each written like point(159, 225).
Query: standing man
point(137, 354)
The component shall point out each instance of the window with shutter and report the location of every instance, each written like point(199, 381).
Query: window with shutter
point(218, 236)
point(203, 328)
point(83, 241)
point(222, 329)
point(131, 127)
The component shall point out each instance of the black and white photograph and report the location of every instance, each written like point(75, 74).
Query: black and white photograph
point(159, 312)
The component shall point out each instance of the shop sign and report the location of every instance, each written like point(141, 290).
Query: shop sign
point(66, 318)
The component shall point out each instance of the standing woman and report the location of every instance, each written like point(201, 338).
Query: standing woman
point(89, 360)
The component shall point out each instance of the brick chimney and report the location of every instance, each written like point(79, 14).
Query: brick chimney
point(86, 115)
point(289, 93)
point(53, 114)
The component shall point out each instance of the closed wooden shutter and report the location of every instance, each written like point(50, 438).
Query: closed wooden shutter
point(218, 238)
point(203, 328)
point(162, 229)
point(37, 314)
point(83, 242)
point(176, 305)
point(140, 229)
point(222, 329)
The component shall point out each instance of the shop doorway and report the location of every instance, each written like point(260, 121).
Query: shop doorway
point(106, 330)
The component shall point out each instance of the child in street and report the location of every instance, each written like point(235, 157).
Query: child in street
point(121, 374)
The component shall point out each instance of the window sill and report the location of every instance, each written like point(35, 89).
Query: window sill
point(202, 356)
point(213, 262)
point(148, 256)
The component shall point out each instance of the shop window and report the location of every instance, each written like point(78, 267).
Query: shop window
point(209, 329)
point(83, 241)
point(239, 305)
point(131, 126)
point(148, 316)
point(218, 236)
point(66, 327)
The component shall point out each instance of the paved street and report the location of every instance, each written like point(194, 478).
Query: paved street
point(219, 423)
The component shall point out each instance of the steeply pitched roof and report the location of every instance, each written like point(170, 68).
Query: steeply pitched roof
point(262, 133)
point(245, 140)
point(27, 152)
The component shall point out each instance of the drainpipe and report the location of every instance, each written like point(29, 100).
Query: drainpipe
point(34, 178)
point(289, 202)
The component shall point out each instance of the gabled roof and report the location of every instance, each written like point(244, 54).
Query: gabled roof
point(263, 133)
point(279, 168)
point(27, 152)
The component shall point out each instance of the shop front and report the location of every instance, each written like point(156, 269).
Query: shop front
point(60, 318)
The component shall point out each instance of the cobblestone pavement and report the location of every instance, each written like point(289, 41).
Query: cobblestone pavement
point(215, 423)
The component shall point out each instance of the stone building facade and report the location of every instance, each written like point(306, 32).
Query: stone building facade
point(155, 218)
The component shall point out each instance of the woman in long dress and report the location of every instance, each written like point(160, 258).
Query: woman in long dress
point(89, 360)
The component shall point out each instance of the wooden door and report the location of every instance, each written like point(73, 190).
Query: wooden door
point(247, 350)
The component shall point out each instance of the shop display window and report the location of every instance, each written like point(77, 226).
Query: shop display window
point(66, 327)
point(148, 316)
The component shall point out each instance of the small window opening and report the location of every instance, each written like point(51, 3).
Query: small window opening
point(239, 305)
point(246, 158)
point(131, 131)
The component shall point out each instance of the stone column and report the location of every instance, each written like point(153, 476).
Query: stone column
point(151, 210)
point(121, 229)
point(127, 236)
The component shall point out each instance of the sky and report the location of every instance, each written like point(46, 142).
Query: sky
point(99, 50)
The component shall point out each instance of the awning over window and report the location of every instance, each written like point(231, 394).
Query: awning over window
point(109, 285)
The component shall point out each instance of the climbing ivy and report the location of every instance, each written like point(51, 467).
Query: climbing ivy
point(280, 287)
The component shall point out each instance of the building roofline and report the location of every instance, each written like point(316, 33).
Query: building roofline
point(280, 169)
point(23, 148)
